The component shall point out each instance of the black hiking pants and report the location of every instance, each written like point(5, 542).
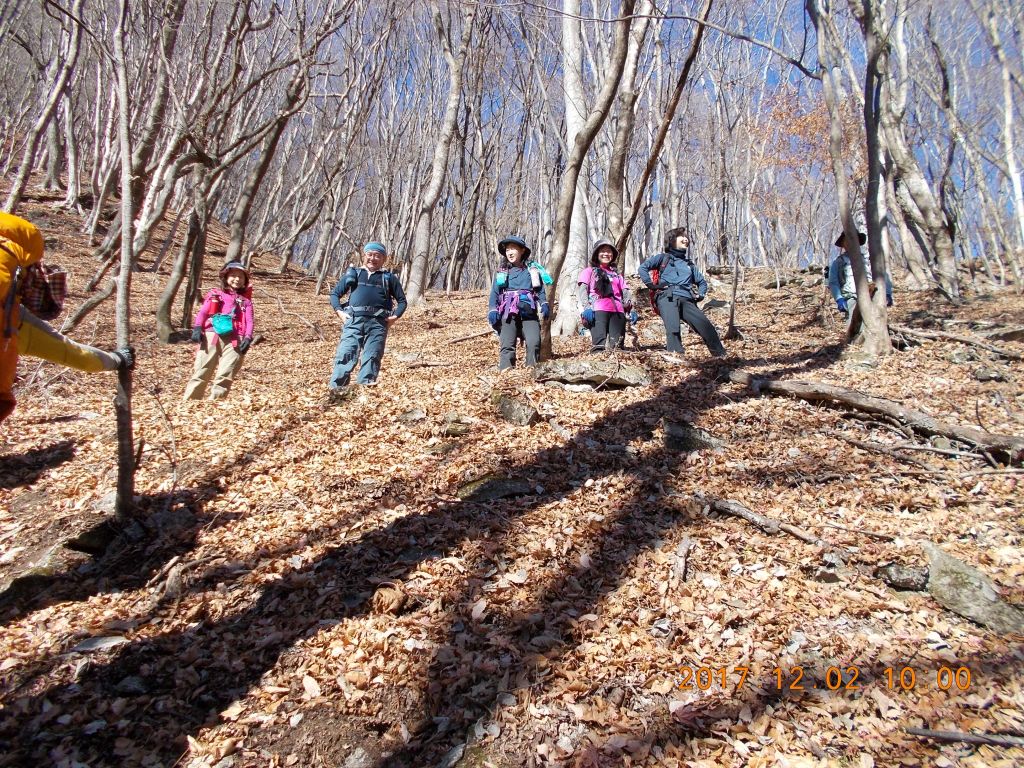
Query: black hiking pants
point(609, 328)
point(676, 310)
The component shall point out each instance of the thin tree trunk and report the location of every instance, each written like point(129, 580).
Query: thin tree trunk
point(243, 206)
point(63, 75)
point(123, 401)
point(580, 147)
point(419, 271)
point(666, 123)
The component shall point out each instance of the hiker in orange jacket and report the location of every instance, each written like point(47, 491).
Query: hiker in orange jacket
point(21, 332)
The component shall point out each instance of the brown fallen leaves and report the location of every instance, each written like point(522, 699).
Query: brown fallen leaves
point(332, 594)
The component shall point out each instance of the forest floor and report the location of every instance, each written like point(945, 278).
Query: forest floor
point(304, 586)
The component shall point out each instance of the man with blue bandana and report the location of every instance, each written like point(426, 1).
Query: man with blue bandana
point(375, 301)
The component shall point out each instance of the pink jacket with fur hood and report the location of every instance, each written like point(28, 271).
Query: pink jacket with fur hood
point(227, 302)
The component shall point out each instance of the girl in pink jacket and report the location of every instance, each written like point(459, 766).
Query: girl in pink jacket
point(223, 330)
point(605, 298)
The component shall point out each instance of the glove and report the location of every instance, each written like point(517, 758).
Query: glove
point(545, 310)
point(197, 335)
point(633, 317)
point(493, 318)
point(841, 305)
point(125, 358)
point(243, 345)
point(587, 316)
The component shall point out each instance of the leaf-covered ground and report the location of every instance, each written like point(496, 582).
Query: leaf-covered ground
point(304, 585)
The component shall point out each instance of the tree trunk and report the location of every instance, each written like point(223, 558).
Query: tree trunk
point(666, 124)
point(570, 177)
point(831, 82)
point(124, 497)
point(419, 270)
point(563, 292)
point(243, 205)
point(624, 129)
point(65, 69)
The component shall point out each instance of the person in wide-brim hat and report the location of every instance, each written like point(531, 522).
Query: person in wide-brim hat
point(841, 240)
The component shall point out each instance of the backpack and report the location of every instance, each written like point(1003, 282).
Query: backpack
point(43, 289)
point(656, 278)
point(544, 276)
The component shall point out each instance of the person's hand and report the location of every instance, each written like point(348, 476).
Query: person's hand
point(492, 318)
point(342, 314)
point(545, 310)
point(841, 305)
point(197, 335)
point(587, 316)
point(389, 321)
point(244, 344)
point(634, 318)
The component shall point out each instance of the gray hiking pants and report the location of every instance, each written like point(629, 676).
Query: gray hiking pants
point(512, 328)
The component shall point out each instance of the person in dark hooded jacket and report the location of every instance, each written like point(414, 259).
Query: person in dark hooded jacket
point(517, 303)
point(680, 287)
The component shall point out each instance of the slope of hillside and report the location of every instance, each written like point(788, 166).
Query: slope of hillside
point(306, 586)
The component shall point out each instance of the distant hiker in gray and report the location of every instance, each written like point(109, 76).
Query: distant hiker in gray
point(840, 277)
point(678, 289)
point(375, 301)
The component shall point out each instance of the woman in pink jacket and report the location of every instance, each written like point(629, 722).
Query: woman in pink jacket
point(605, 298)
point(223, 330)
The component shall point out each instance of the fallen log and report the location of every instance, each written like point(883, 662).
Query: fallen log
point(1010, 447)
point(969, 340)
point(951, 737)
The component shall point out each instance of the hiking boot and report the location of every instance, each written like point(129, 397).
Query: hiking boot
point(335, 395)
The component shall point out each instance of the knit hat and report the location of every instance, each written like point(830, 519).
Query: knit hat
point(514, 240)
point(861, 238)
point(375, 247)
point(233, 265)
point(594, 261)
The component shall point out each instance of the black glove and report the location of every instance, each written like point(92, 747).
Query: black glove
point(125, 358)
point(244, 344)
point(197, 335)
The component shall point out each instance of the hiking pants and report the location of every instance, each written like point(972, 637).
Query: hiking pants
point(365, 333)
point(609, 328)
point(216, 360)
point(676, 310)
point(512, 328)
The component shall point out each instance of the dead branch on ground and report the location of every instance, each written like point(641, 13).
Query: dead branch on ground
point(945, 335)
point(1009, 446)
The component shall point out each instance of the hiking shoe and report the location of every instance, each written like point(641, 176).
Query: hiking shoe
point(335, 395)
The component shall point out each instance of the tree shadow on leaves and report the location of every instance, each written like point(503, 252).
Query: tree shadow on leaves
point(187, 677)
point(26, 468)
